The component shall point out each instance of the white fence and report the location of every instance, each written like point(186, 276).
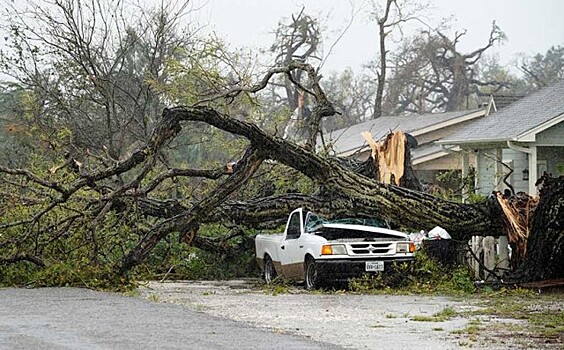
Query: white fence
point(488, 254)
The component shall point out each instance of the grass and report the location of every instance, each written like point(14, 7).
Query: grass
point(133, 293)
point(423, 318)
point(378, 326)
point(472, 328)
point(277, 287)
point(447, 313)
point(422, 276)
point(549, 323)
point(444, 315)
point(541, 317)
point(154, 298)
point(471, 331)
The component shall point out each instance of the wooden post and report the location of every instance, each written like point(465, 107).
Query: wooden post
point(477, 249)
point(489, 255)
point(503, 251)
point(469, 257)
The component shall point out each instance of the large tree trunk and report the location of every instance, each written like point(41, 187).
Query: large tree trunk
point(348, 191)
point(544, 258)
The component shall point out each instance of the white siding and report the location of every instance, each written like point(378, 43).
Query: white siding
point(553, 136)
point(450, 161)
point(485, 182)
point(520, 162)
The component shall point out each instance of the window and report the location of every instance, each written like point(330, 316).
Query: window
point(293, 230)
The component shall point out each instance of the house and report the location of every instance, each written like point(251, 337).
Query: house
point(428, 158)
point(514, 146)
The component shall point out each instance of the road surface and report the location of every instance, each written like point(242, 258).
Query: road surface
point(71, 318)
point(365, 321)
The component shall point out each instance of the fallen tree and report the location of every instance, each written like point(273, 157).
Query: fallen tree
point(544, 255)
point(86, 200)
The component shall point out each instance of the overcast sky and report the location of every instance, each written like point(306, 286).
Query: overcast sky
point(531, 26)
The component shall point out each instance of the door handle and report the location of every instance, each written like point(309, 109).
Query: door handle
point(301, 246)
point(282, 247)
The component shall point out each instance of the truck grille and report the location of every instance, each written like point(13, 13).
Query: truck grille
point(372, 248)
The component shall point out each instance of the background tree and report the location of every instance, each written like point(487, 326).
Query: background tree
point(15, 144)
point(352, 95)
point(432, 75)
point(390, 18)
point(298, 39)
point(91, 67)
point(93, 79)
point(489, 68)
point(542, 70)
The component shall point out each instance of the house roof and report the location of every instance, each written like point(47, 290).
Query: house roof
point(426, 152)
point(349, 139)
point(499, 99)
point(516, 122)
point(504, 100)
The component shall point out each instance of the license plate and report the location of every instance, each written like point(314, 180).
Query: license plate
point(374, 266)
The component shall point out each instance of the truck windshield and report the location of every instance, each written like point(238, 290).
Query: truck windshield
point(313, 220)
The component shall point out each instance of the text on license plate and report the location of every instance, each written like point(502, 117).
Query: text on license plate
point(374, 266)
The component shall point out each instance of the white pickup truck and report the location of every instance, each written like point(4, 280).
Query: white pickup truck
point(316, 250)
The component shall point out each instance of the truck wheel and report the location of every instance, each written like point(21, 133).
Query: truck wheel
point(312, 280)
point(269, 270)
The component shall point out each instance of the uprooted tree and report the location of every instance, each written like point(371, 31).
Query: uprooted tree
point(96, 175)
point(64, 208)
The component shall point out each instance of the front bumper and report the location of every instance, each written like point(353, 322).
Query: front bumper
point(344, 269)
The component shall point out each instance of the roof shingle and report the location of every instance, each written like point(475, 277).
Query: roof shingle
point(515, 119)
point(349, 139)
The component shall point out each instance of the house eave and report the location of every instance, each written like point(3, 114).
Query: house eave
point(471, 142)
point(450, 122)
point(429, 157)
point(530, 135)
point(350, 152)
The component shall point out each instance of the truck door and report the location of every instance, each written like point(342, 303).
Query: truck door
point(291, 248)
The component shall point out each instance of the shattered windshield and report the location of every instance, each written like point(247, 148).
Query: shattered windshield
point(313, 221)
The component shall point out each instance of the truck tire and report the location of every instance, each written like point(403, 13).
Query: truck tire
point(269, 273)
point(312, 280)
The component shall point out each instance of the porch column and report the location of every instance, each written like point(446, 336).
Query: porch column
point(532, 170)
point(498, 169)
point(465, 166)
point(479, 165)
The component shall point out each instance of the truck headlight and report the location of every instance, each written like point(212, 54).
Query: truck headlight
point(333, 249)
point(408, 247)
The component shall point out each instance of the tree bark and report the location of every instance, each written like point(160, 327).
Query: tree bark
point(544, 258)
point(383, 28)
